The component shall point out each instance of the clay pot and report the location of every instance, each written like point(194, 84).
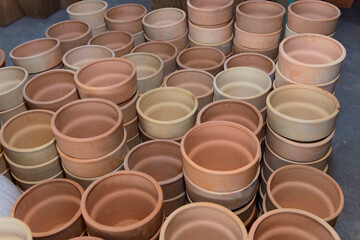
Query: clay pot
point(222, 144)
point(270, 52)
point(80, 56)
point(92, 12)
point(12, 228)
point(125, 204)
point(128, 108)
point(198, 82)
point(302, 113)
point(98, 29)
point(208, 13)
point(7, 114)
point(254, 60)
point(2, 58)
point(211, 34)
point(263, 184)
point(113, 79)
point(51, 209)
point(133, 142)
point(313, 17)
point(146, 137)
point(289, 32)
point(8, 175)
point(203, 58)
point(315, 63)
point(305, 188)
point(3, 164)
point(180, 43)
point(165, 24)
point(205, 221)
point(172, 204)
point(131, 128)
point(88, 128)
point(71, 34)
point(260, 16)
point(225, 46)
point(12, 81)
point(25, 185)
point(167, 112)
point(138, 38)
point(125, 17)
point(37, 55)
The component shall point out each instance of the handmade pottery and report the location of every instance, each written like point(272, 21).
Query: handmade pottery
point(128, 108)
point(146, 137)
point(170, 205)
point(133, 142)
point(7, 114)
point(289, 32)
point(12, 228)
point(120, 42)
point(98, 29)
point(131, 128)
point(225, 46)
point(2, 58)
point(270, 52)
point(211, 34)
point(181, 42)
point(92, 12)
point(138, 38)
point(25, 185)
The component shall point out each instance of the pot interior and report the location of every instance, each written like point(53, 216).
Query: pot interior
point(112, 40)
point(314, 10)
point(81, 56)
point(201, 58)
point(68, 30)
point(86, 7)
point(261, 9)
point(164, 17)
point(162, 50)
point(209, 4)
point(34, 47)
point(252, 60)
point(10, 78)
point(146, 65)
point(126, 12)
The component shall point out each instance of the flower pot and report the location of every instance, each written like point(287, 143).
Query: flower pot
point(270, 52)
point(225, 46)
point(211, 34)
point(125, 204)
point(131, 128)
point(133, 142)
point(302, 113)
point(25, 185)
point(203, 58)
point(172, 204)
point(12, 81)
point(138, 38)
point(98, 29)
point(146, 137)
point(167, 112)
point(128, 108)
point(92, 12)
point(3, 164)
point(125, 17)
point(37, 55)
point(165, 24)
point(260, 16)
point(202, 87)
point(2, 58)
point(212, 152)
point(7, 114)
point(289, 32)
point(120, 42)
point(181, 42)
point(113, 79)
point(12, 228)
point(51, 209)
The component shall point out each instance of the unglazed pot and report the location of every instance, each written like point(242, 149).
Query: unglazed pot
point(302, 113)
point(138, 38)
point(98, 29)
point(12, 228)
point(131, 128)
point(198, 82)
point(92, 12)
point(165, 24)
point(123, 205)
point(181, 42)
point(167, 112)
point(172, 204)
point(225, 46)
point(113, 79)
point(128, 108)
point(37, 55)
point(133, 142)
point(289, 32)
point(203, 221)
point(270, 52)
point(313, 17)
point(25, 185)
point(146, 137)
point(125, 17)
point(7, 114)
point(51, 209)
point(203, 58)
point(211, 34)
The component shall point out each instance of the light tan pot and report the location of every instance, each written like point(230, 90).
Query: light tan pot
point(131, 128)
point(128, 108)
point(25, 185)
point(210, 34)
point(3, 164)
point(225, 46)
point(138, 38)
point(120, 42)
point(12, 228)
point(270, 52)
point(98, 29)
point(170, 205)
point(133, 142)
point(92, 12)
point(289, 32)
point(146, 137)
point(181, 42)
point(7, 114)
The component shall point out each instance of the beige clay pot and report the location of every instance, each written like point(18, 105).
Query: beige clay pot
point(98, 29)
point(146, 137)
point(120, 42)
point(12, 228)
point(25, 185)
point(181, 42)
point(270, 52)
point(128, 108)
point(92, 12)
point(289, 32)
point(225, 46)
point(7, 114)
point(211, 34)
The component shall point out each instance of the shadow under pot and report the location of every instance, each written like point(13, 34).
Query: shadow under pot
point(12, 228)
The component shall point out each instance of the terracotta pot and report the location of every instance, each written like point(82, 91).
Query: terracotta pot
point(172, 204)
point(2, 58)
point(128, 108)
point(80, 56)
point(12, 81)
point(302, 113)
point(260, 16)
point(59, 66)
point(165, 24)
point(203, 58)
point(98, 29)
point(3, 164)
point(125, 17)
point(12, 228)
point(71, 34)
point(92, 12)
point(146, 137)
point(25, 185)
point(305, 188)
point(211, 34)
point(205, 12)
point(313, 17)
point(120, 42)
point(254, 60)
point(166, 51)
point(7, 114)
point(222, 144)
point(270, 52)
point(289, 32)
point(133, 142)
point(37, 55)
point(167, 112)
point(205, 221)
point(291, 224)
point(125, 204)
point(202, 87)
point(317, 63)
point(51, 209)
point(138, 38)
point(131, 128)
point(225, 46)
point(181, 42)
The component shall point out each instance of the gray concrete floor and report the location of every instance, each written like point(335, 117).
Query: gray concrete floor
point(344, 165)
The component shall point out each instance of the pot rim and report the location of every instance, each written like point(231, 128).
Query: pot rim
point(293, 32)
point(68, 9)
point(183, 17)
point(142, 132)
point(86, 179)
point(282, 13)
point(259, 50)
point(212, 44)
point(217, 9)
point(259, 35)
point(12, 109)
point(87, 32)
point(90, 42)
point(128, 103)
point(30, 167)
point(170, 41)
point(17, 179)
point(15, 221)
point(29, 43)
point(175, 198)
point(2, 57)
point(112, 20)
point(168, 59)
point(211, 28)
point(246, 207)
point(24, 79)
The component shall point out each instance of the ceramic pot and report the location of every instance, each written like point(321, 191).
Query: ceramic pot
point(98, 29)
point(138, 38)
point(128, 108)
point(198, 82)
point(71, 34)
point(302, 113)
point(51, 209)
point(225, 46)
point(12, 81)
point(222, 144)
point(305, 188)
point(166, 51)
point(12, 228)
point(37, 55)
point(165, 24)
point(167, 112)
point(317, 63)
point(92, 12)
point(181, 42)
point(211, 34)
point(209, 13)
point(131, 128)
point(133, 142)
point(7, 114)
point(313, 17)
point(270, 52)
point(205, 221)
point(25, 185)
point(289, 32)
point(125, 204)
point(203, 58)
point(125, 17)
point(260, 16)
point(146, 137)
point(2, 58)
point(3, 164)
point(172, 204)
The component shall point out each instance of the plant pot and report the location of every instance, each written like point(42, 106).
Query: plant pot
point(38, 8)
point(211, 34)
point(172, 204)
point(12, 81)
point(167, 112)
point(3, 164)
point(125, 204)
point(131, 128)
point(289, 32)
point(270, 52)
point(25, 185)
point(202, 87)
point(180, 43)
point(128, 108)
point(92, 12)
point(98, 29)
point(37, 55)
point(225, 46)
point(133, 142)
point(13, 228)
point(7, 114)
point(203, 58)
point(51, 209)
point(125, 17)
point(302, 113)
point(138, 38)
point(146, 137)
point(2, 58)
point(120, 42)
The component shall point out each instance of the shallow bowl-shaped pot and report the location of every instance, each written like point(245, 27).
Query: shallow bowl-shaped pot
point(7, 114)
point(98, 29)
point(139, 38)
point(92, 12)
point(13, 228)
point(120, 42)
point(181, 42)
point(131, 128)
point(146, 137)
point(270, 52)
point(289, 32)
point(225, 46)
point(128, 108)
point(211, 34)
point(25, 185)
